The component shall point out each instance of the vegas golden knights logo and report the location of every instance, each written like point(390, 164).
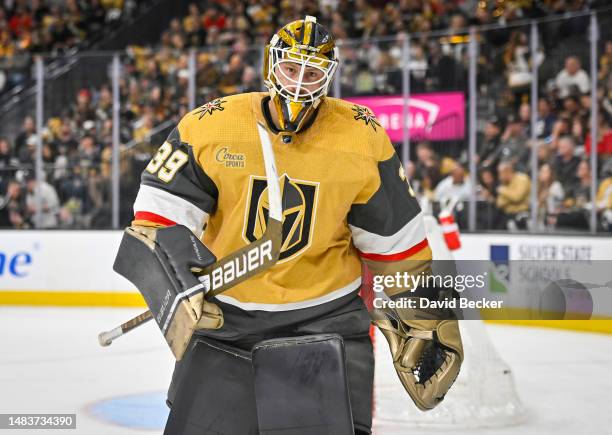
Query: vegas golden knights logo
point(299, 207)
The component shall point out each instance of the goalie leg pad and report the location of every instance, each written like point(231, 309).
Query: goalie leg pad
point(212, 391)
point(301, 386)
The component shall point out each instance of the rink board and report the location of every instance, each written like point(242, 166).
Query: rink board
point(74, 268)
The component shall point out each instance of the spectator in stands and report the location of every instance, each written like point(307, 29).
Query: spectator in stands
point(21, 21)
point(444, 72)
point(213, 18)
point(544, 152)
point(145, 126)
point(104, 105)
point(208, 73)
point(27, 154)
point(192, 25)
point(550, 196)
point(524, 115)
point(488, 216)
point(83, 110)
point(418, 69)
point(49, 201)
point(88, 154)
point(517, 62)
point(52, 26)
point(7, 159)
point(513, 195)
point(605, 62)
point(604, 146)
point(94, 17)
point(387, 76)
point(427, 168)
point(48, 159)
point(512, 146)
point(364, 80)
point(572, 106)
point(455, 188)
point(572, 78)
point(565, 163)
point(12, 207)
point(604, 197)
point(155, 84)
point(8, 163)
point(65, 143)
point(579, 192)
point(489, 141)
point(561, 128)
point(230, 81)
point(28, 129)
point(250, 80)
point(546, 119)
point(456, 26)
point(73, 190)
point(577, 204)
point(487, 188)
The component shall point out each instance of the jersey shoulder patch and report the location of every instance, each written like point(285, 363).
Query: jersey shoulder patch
point(210, 108)
point(363, 113)
point(209, 121)
point(356, 113)
point(361, 120)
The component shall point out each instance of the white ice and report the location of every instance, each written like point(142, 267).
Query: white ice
point(50, 362)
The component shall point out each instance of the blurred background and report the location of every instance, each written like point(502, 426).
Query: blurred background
point(493, 105)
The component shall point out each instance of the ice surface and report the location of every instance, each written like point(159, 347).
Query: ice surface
point(50, 362)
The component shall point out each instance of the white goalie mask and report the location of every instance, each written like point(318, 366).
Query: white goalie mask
point(299, 65)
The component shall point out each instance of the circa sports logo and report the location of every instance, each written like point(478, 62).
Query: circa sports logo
point(299, 210)
point(210, 107)
point(230, 160)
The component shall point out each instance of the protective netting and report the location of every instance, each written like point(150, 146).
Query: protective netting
point(483, 395)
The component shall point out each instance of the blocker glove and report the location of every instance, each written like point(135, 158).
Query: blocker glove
point(163, 263)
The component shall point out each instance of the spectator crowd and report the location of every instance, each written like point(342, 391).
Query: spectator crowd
point(30, 27)
point(227, 38)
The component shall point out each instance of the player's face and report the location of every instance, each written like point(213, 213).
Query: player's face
point(289, 77)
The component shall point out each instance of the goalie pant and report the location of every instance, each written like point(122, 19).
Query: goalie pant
point(205, 397)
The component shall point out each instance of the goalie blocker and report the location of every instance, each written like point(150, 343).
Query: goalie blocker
point(161, 263)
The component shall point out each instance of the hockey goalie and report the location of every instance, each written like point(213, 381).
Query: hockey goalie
point(286, 351)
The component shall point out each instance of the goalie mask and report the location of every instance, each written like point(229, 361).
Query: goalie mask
point(299, 63)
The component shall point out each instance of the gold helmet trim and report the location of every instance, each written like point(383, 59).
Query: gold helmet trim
point(304, 45)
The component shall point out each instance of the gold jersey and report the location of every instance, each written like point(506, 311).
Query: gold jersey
point(345, 197)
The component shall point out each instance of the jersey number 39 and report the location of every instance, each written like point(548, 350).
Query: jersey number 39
point(166, 163)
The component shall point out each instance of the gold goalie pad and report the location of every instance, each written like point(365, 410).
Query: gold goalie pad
point(427, 354)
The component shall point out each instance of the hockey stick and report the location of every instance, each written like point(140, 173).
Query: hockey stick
point(213, 279)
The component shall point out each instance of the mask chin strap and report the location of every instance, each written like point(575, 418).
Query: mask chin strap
point(287, 115)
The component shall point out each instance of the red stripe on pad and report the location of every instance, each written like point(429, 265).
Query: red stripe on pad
point(399, 256)
point(152, 217)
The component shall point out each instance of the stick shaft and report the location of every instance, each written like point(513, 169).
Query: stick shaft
point(136, 321)
point(273, 233)
point(107, 337)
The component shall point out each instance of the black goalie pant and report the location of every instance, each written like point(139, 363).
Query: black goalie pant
point(212, 386)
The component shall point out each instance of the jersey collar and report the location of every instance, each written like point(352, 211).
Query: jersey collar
point(264, 110)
